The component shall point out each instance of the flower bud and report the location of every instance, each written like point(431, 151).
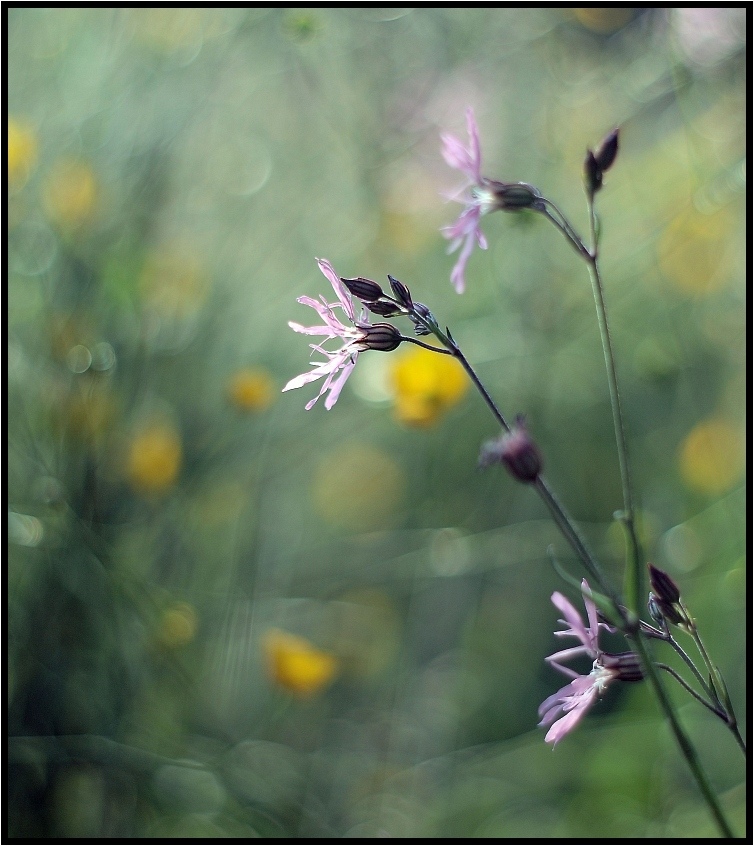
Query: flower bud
point(364, 289)
point(384, 308)
point(517, 451)
point(401, 292)
point(607, 151)
point(663, 586)
point(382, 336)
point(420, 310)
point(665, 597)
point(592, 173)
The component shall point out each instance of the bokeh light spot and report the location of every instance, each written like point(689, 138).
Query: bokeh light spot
point(359, 487)
point(712, 456)
point(154, 459)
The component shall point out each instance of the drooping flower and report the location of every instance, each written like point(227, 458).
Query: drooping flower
point(479, 196)
point(360, 335)
point(576, 698)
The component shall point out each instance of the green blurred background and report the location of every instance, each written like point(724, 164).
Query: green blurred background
point(232, 617)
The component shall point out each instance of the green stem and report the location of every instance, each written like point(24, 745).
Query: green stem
point(684, 744)
point(564, 522)
point(687, 687)
point(635, 575)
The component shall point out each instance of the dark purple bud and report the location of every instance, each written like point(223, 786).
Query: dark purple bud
point(592, 173)
point(364, 289)
point(401, 292)
point(626, 665)
point(384, 308)
point(607, 151)
point(382, 336)
point(664, 587)
point(517, 451)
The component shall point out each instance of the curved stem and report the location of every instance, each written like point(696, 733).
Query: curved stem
point(699, 698)
point(563, 224)
point(692, 666)
point(419, 343)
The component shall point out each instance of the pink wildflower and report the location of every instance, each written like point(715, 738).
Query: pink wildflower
point(575, 699)
point(359, 336)
point(466, 228)
point(480, 196)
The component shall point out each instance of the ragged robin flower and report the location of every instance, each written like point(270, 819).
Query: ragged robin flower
point(360, 335)
point(479, 195)
point(575, 699)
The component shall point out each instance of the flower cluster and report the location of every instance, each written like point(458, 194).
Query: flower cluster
point(358, 335)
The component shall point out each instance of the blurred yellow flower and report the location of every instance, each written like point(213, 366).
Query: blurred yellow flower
point(72, 193)
point(693, 252)
point(712, 456)
point(173, 282)
point(154, 459)
point(251, 389)
point(178, 625)
point(22, 151)
point(297, 665)
point(425, 385)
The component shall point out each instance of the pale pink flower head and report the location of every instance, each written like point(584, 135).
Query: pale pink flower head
point(575, 699)
point(465, 231)
point(479, 195)
point(357, 335)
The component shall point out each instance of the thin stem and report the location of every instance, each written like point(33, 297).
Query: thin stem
point(699, 698)
point(564, 522)
point(574, 537)
point(692, 666)
point(636, 573)
point(455, 350)
point(564, 225)
point(419, 343)
point(687, 750)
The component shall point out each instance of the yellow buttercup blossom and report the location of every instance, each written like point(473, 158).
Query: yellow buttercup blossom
point(251, 389)
point(178, 625)
point(72, 193)
point(712, 456)
point(297, 665)
point(22, 151)
point(154, 459)
point(425, 385)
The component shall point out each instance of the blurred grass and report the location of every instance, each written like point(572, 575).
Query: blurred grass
point(172, 173)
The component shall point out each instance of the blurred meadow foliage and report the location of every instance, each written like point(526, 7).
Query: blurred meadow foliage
point(230, 617)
